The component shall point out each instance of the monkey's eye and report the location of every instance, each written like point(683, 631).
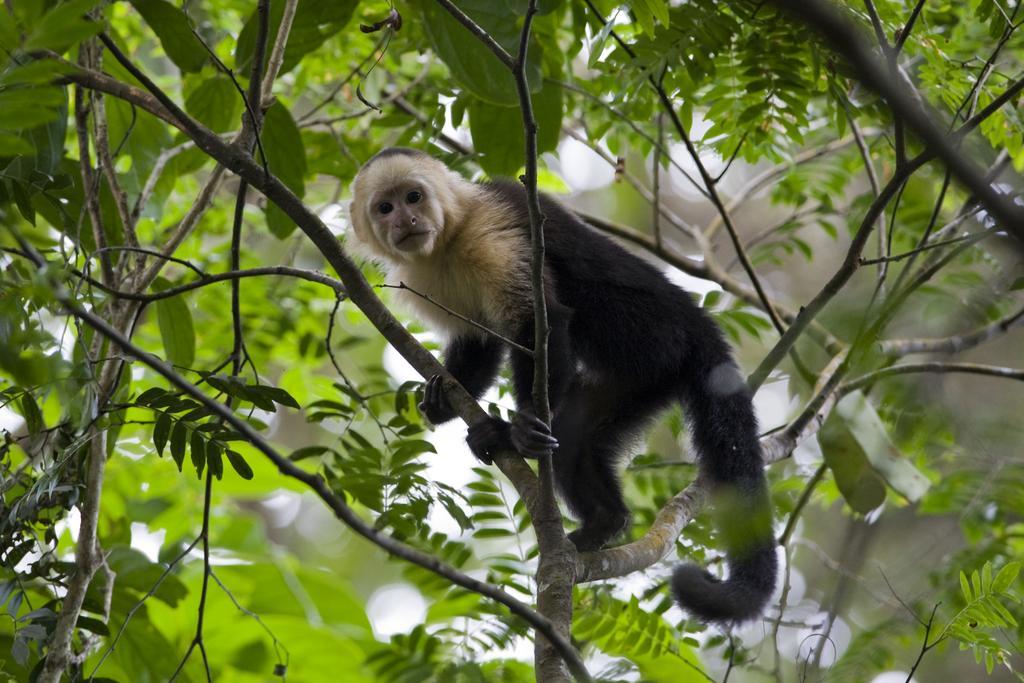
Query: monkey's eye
point(385, 207)
point(413, 197)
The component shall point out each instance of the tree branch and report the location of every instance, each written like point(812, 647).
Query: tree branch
point(938, 367)
point(839, 278)
point(481, 35)
point(955, 343)
point(313, 481)
point(846, 40)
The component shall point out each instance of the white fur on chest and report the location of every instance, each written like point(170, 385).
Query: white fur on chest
point(454, 288)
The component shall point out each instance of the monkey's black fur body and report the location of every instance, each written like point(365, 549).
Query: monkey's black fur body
point(624, 344)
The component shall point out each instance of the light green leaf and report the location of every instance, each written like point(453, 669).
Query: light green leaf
point(315, 22)
point(862, 487)
point(1006, 576)
point(63, 26)
point(176, 330)
point(865, 426)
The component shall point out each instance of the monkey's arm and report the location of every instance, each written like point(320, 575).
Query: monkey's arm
point(561, 366)
point(474, 361)
point(527, 434)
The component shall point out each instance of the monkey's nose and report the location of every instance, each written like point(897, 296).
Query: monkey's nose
point(412, 220)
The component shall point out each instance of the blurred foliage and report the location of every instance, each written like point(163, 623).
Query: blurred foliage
point(766, 105)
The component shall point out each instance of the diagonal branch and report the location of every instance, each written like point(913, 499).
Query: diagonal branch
point(955, 343)
point(313, 481)
point(846, 40)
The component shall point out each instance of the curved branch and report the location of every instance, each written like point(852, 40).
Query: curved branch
point(660, 538)
point(939, 367)
point(315, 482)
point(955, 343)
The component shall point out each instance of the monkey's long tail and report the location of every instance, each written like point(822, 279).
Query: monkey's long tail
point(724, 428)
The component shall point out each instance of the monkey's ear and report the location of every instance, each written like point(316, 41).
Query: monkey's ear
point(359, 237)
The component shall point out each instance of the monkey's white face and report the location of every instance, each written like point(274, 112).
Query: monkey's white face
point(405, 220)
point(398, 207)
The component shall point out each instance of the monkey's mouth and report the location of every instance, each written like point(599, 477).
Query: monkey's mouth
point(408, 239)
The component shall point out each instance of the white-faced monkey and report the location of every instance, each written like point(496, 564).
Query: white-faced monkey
point(624, 344)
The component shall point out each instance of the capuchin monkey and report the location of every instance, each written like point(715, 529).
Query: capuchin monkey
point(624, 344)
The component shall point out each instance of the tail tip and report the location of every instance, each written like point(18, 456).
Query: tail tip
point(713, 600)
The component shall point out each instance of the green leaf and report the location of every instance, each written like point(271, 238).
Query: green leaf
point(315, 22)
point(239, 464)
point(286, 158)
point(12, 145)
point(150, 395)
point(161, 431)
point(504, 155)
point(214, 460)
point(659, 8)
point(92, 625)
point(472, 64)
point(862, 487)
point(1006, 576)
point(63, 26)
point(176, 330)
point(865, 426)
point(197, 449)
point(172, 27)
point(216, 103)
point(307, 452)
point(34, 422)
point(178, 437)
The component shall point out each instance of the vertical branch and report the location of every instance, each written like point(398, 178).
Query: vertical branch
point(656, 186)
point(556, 566)
point(106, 164)
point(92, 203)
point(276, 58)
point(253, 123)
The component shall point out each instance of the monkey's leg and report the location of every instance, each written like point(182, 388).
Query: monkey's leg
point(590, 439)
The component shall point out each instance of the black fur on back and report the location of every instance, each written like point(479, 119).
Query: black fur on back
point(625, 343)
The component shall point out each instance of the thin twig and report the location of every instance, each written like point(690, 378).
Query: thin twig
point(469, 321)
point(955, 343)
point(936, 367)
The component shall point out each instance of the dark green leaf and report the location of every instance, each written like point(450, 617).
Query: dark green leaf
point(214, 460)
point(178, 437)
point(239, 464)
point(93, 626)
point(216, 103)
point(171, 26)
point(149, 395)
point(307, 452)
point(197, 449)
point(161, 431)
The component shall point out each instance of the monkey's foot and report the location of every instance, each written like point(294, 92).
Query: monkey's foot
point(595, 535)
point(435, 405)
point(531, 437)
point(487, 437)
